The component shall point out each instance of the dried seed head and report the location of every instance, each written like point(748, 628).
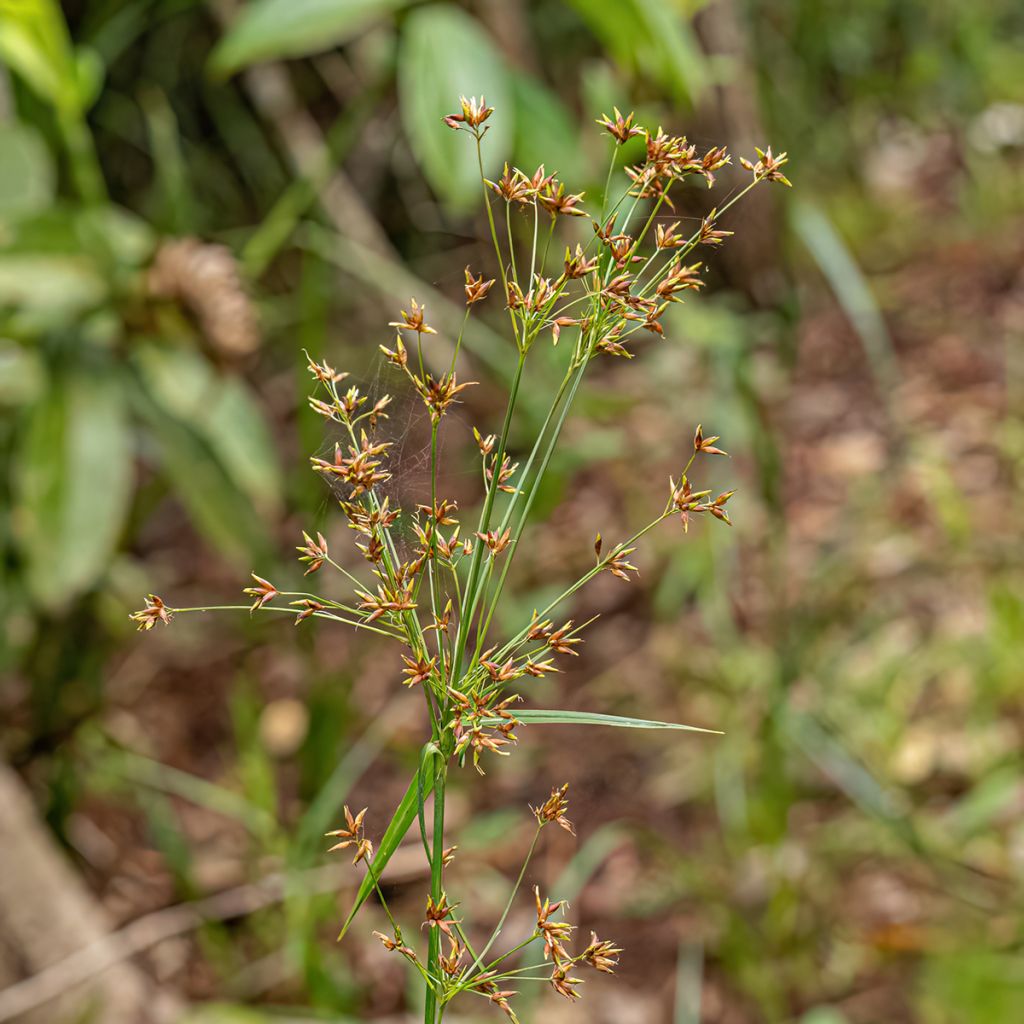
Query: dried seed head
point(353, 835)
point(668, 237)
point(450, 963)
point(472, 114)
point(709, 234)
point(396, 944)
point(576, 263)
point(558, 203)
point(621, 128)
point(322, 372)
point(602, 956)
point(768, 167)
point(552, 931)
point(561, 640)
point(554, 808)
point(205, 279)
point(398, 356)
point(307, 608)
point(437, 915)
point(417, 670)
point(154, 611)
point(706, 444)
point(563, 984)
point(314, 552)
point(496, 542)
point(476, 288)
point(618, 564)
point(264, 591)
point(413, 320)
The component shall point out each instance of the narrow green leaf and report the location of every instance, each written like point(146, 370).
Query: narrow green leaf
point(73, 483)
point(538, 716)
point(444, 53)
point(390, 841)
point(269, 29)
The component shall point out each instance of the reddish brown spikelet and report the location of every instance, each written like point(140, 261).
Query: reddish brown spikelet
point(417, 670)
point(706, 444)
point(620, 128)
point(314, 552)
point(413, 320)
point(554, 808)
point(352, 835)
point(552, 931)
point(395, 944)
point(307, 607)
point(768, 167)
point(563, 984)
point(602, 956)
point(438, 914)
point(153, 612)
point(476, 288)
point(473, 113)
point(264, 591)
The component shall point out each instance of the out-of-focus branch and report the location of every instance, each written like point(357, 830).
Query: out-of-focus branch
point(48, 919)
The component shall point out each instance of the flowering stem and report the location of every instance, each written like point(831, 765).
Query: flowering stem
point(431, 1011)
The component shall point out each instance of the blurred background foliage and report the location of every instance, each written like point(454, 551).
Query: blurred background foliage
point(192, 193)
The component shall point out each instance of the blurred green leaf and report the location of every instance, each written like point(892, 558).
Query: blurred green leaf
point(546, 132)
point(26, 172)
point(222, 410)
point(23, 47)
point(651, 38)
point(72, 486)
point(444, 53)
point(22, 376)
point(268, 29)
point(57, 287)
point(34, 42)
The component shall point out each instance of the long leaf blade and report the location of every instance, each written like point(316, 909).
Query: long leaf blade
point(540, 716)
point(400, 823)
point(270, 29)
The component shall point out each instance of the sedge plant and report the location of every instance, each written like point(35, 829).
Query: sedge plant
point(435, 589)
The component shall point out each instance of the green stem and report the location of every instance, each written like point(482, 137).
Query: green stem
point(508, 906)
point(471, 596)
point(431, 1011)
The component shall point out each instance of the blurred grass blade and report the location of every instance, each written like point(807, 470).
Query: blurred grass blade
point(537, 716)
point(223, 411)
point(141, 770)
point(849, 285)
point(324, 806)
point(390, 841)
point(444, 53)
point(269, 29)
point(73, 484)
point(689, 983)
